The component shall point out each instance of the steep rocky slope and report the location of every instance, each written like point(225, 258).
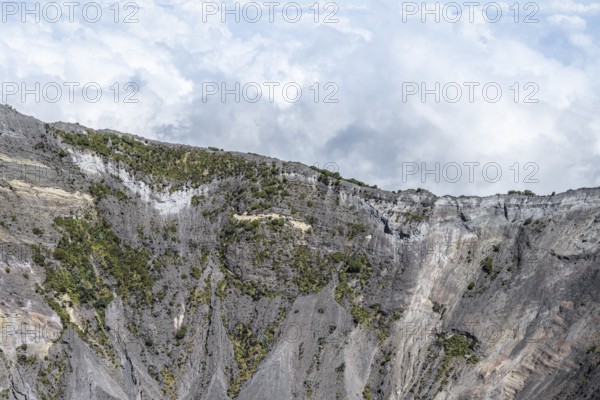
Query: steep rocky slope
point(132, 269)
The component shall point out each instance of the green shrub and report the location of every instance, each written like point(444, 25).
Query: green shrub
point(360, 314)
point(457, 345)
point(196, 272)
point(100, 190)
point(197, 199)
point(337, 257)
point(357, 182)
point(367, 394)
point(222, 289)
point(355, 265)
point(523, 193)
point(488, 265)
point(278, 222)
point(181, 332)
point(37, 256)
point(250, 226)
point(356, 229)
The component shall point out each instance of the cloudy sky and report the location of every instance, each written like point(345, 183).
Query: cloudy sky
point(459, 100)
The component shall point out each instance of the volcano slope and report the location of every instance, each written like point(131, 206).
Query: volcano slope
point(133, 269)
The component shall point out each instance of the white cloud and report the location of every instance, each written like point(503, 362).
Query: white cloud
point(369, 54)
point(568, 21)
point(570, 6)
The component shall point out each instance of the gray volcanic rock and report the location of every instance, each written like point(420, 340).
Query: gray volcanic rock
point(133, 269)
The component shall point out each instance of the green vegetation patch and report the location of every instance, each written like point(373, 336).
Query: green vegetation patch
point(312, 273)
point(197, 200)
point(327, 175)
point(88, 246)
point(488, 265)
point(355, 230)
point(521, 193)
point(178, 164)
point(249, 350)
point(455, 347)
point(367, 393)
point(352, 281)
point(417, 216)
point(100, 190)
point(593, 349)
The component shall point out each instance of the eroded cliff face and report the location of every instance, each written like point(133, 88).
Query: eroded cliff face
point(132, 269)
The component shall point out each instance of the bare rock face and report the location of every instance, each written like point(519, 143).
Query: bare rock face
point(132, 269)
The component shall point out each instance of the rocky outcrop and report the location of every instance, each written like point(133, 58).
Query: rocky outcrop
point(133, 269)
